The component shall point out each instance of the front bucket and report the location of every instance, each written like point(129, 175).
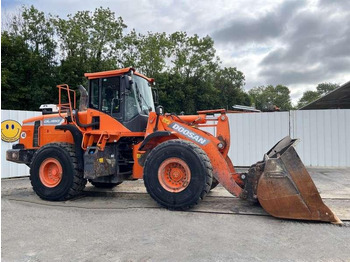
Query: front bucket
point(285, 188)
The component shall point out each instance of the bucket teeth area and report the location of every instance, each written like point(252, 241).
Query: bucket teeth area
point(284, 188)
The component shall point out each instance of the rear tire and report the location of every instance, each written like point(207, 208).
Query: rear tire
point(54, 172)
point(104, 185)
point(177, 174)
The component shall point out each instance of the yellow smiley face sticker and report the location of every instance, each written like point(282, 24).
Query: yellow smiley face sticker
point(10, 130)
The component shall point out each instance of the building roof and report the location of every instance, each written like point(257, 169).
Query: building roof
point(339, 98)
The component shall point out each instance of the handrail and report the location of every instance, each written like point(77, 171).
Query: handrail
point(66, 106)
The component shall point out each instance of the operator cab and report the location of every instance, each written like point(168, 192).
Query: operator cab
point(123, 94)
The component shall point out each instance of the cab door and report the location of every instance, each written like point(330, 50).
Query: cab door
point(105, 96)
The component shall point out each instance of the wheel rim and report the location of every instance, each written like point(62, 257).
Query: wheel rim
point(50, 172)
point(174, 175)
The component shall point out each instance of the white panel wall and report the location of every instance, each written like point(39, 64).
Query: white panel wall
point(253, 134)
point(10, 169)
point(324, 136)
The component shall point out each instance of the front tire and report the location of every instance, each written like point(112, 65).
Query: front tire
point(177, 174)
point(54, 172)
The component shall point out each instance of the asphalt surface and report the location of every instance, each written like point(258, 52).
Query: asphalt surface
point(124, 224)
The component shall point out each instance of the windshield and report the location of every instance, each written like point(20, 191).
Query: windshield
point(138, 99)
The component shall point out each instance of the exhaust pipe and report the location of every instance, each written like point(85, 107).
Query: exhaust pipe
point(83, 98)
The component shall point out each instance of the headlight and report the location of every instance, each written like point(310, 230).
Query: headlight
point(23, 135)
point(10, 155)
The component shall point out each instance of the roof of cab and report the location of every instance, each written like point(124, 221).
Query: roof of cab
point(116, 73)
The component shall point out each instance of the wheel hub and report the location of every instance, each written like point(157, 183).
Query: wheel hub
point(50, 172)
point(174, 175)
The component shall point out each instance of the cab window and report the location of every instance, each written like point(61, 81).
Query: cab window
point(110, 95)
point(94, 96)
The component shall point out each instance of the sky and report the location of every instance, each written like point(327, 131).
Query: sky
point(297, 43)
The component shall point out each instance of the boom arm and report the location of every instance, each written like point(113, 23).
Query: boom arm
point(216, 147)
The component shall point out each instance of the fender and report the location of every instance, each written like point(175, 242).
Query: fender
point(148, 142)
point(78, 138)
point(151, 141)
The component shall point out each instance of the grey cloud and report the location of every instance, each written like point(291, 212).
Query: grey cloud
point(271, 25)
point(337, 4)
point(316, 48)
point(287, 76)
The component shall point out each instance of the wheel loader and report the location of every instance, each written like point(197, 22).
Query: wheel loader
point(117, 134)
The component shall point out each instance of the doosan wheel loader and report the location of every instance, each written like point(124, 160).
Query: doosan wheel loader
point(117, 134)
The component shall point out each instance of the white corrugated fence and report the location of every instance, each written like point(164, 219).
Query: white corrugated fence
point(324, 137)
point(10, 169)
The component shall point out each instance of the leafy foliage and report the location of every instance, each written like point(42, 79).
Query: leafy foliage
point(325, 88)
point(40, 51)
point(307, 98)
point(265, 98)
point(310, 96)
point(28, 62)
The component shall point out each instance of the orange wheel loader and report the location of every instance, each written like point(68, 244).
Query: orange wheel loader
point(117, 134)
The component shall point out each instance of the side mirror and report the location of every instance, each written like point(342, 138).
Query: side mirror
point(159, 110)
point(155, 95)
point(129, 82)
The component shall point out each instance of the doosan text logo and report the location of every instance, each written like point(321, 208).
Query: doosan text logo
point(188, 133)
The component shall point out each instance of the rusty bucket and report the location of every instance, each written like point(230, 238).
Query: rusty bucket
point(284, 187)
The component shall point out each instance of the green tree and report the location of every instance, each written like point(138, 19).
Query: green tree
point(106, 38)
point(148, 53)
point(28, 62)
point(308, 97)
point(90, 42)
point(38, 32)
point(73, 38)
point(130, 50)
point(265, 98)
point(16, 93)
point(193, 56)
point(229, 81)
point(41, 51)
point(191, 74)
point(153, 50)
point(325, 88)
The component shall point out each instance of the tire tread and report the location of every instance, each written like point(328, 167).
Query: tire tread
point(203, 158)
point(79, 181)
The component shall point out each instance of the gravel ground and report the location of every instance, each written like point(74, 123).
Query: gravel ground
point(90, 231)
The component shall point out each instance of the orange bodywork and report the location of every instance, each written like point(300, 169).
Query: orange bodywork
point(111, 131)
point(217, 147)
point(46, 131)
point(116, 73)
